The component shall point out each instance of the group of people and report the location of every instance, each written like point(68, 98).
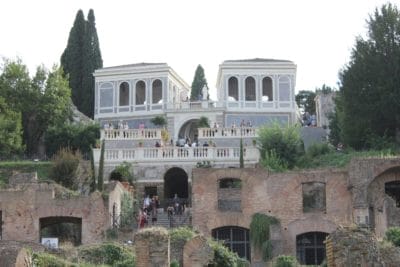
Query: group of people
point(149, 211)
point(309, 120)
point(176, 207)
point(121, 126)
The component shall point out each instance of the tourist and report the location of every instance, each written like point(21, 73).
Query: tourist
point(154, 206)
point(157, 144)
point(205, 144)
point(146, 203)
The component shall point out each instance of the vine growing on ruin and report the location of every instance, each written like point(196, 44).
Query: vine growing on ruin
point(260, 233)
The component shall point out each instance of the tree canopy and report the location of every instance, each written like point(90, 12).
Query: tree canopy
point(305, 100)
point(42, 101)
point(198, 83)
point(10, 131)
point(80, 59)
point(369, 83)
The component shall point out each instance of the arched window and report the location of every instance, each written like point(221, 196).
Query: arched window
point(267, 93)
point(233, 89)
point(124, 94)
point(310, 248)
point(250, 89)
point(140, 93)
point(106, 95)
point(235, 238)
point(157, 92)
point(284, 89)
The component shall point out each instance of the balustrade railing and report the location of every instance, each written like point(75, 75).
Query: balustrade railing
point(131, 134)
point(224, 132)
point(194, 154)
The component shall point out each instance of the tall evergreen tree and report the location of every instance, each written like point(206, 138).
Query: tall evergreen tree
point(91, 61)
point(80, 58)
point(72, 58)
point(370, 95)
point(198, 83)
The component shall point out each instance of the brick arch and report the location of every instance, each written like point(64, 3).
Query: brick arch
point(234, 219)
point(310, 224)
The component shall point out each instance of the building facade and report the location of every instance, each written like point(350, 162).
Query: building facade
point(250, 93)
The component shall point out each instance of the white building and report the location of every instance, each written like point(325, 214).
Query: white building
point(250, 93)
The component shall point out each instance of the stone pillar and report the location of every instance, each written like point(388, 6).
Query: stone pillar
point(197, 252)
point(152, 247)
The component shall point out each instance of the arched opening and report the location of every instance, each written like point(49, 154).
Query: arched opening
point(189, 130)
point(233, 89)
point(284, 89)
point(392, 189)
point(235, 238)
point(106, 95)
point(310, 248)
point(66, 229)
point(176, 182)
point(124, 94)
point(140, 93)
point(267, 93)
point(250, 89)
point(157, 92)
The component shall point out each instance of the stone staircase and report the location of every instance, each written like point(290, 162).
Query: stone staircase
point(175, 221)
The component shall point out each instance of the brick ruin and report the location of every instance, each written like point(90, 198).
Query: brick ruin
point(309, 204)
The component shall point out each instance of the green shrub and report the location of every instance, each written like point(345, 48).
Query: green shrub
point(225, 257)
point(65, 164)
point(272, 162)
point(159, 121)
point(174, 263)
point(123, 173)
point(318, 149)
point(48, 260)
point(107, 253)
point(181, 234)
point(75, 136)
point(285, 141)
point(203, 122)
point(393, 235)
point(127, 210)
point(285, 261)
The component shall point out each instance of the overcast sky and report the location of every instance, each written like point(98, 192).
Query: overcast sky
point(317, 35)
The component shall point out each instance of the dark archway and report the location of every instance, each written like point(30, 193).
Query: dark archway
point(189, 130)
point(63, 227)
point(176, 182)
point(235, 238)
point(310, 248)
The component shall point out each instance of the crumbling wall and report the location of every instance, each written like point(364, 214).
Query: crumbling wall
point(359, 247)
point(152, 247)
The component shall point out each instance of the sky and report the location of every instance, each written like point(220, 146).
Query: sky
point(317, 35)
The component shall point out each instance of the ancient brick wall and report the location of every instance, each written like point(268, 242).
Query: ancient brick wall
point(152, 247)
point(279, 195)
point(24, 205)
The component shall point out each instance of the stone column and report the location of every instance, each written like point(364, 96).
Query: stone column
point(152, 247)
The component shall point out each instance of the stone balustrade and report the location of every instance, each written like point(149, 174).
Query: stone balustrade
point(130, 134)
point(226, 132)
point(190, 154)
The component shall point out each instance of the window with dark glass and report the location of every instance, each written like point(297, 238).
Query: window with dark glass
point(310, 248)
point(235, 238)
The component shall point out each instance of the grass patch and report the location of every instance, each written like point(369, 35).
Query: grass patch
point(7, 167)
point(338, 159)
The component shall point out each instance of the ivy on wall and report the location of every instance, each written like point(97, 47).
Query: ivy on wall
point(260, 234)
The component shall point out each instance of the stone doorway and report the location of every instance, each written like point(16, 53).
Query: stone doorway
point(176, 182)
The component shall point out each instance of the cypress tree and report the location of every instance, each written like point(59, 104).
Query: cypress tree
point(80, 59)
point(91, 61)
point(71, 59)
point(241, 160)
point(100, 180)
point(198, 83)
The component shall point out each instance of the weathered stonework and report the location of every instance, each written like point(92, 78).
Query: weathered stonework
point(22, 205)
point(197, 252)
point(152, 248)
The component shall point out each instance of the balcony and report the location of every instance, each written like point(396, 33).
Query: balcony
point(179, 154)
point(221, 132)
point(130, 134)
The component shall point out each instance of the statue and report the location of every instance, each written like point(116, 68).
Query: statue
point(204, 92)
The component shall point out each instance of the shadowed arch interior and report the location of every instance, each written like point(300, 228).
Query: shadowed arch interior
point(176, 182)
point(63, 227)
point(310, 248)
